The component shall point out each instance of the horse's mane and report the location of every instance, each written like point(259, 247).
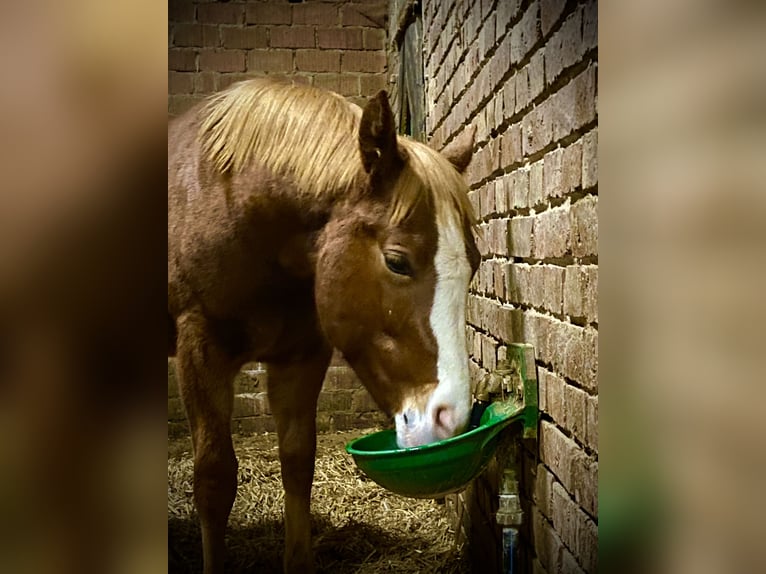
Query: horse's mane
point(309, 135)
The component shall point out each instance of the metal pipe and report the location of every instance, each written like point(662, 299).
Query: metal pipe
point(510, 544)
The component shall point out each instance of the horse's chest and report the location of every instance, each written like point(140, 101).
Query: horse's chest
point(282, 323)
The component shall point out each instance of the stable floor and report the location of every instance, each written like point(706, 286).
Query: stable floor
point(358, 526)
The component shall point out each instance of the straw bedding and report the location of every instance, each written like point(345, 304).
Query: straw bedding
point(357, 526)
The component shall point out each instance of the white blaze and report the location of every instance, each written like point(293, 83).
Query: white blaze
point(453, 273)
point(452, 395)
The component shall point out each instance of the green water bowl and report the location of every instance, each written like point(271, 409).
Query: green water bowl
point(435, 469)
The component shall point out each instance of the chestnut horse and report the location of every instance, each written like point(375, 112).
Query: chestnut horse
point(299, 223)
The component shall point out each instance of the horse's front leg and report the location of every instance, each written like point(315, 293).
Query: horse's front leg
point(293, 392)
point(205, 375)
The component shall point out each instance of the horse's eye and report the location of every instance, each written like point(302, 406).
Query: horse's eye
point(398, 263)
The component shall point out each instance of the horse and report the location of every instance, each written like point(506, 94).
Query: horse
point(299, 223)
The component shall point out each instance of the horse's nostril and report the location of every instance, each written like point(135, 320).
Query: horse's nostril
point(404, 416)
point(444, 418)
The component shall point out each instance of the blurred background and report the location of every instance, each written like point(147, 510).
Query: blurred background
point(683, 229)
point(83, 104)
point(82, 250)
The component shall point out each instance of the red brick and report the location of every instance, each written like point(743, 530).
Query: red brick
point(316, 14)
point(591, 423)
point(250, 379)
point(473, 197)
point(248, 37)
point(521, 80)
point(371, 62)
point(269, 13)
point(180, 83)
point(220, 13)
point(548, 545)
point(536, 188)
point(509, 97)
point(176, 410)
point(584, 227)
point(180, 11)
point(552, 186)
point(364, 15)
point(178, 104)
point(520, 196)
point(576, 401)
point(510, 146)
point(590, 359)
point(543, 490)
point(206, 82)
point(575, 528)
point(503, 185)
point(270, 61)
point(555, 396)
point(498, 289)
point(564, 346)
point(524, 34)
point(500, 62)
point(471, 26)
point(574, 105)
point(557, 452)
point(580, 292)
point(187, 35)
point(211, 36)
point(222, 60)
point(292, 37)
point(348, 85)
point(590, 159)
point(253, 425)
point(550, 11)
point(538, 285)
point(483, 84)
point(487, 36)
point(536, 74)
point(339, 38)
point(495, 116)
point(571, 167)
point(182, 60)
point(505, 12)
point(371, 84)
point(487, 201)
point(498, 234)
point(342, 377)
point(244, 406)
point(317, 61)
point(590, 25)
point(327, 82)
point(537, 127)
point(520, 236)
point(565, 47)
point(374, 39)
point(362, 401)
point(552, 233)
point(334, 401)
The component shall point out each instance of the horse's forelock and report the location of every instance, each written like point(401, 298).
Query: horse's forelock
point(294, 130)
point(428, 175)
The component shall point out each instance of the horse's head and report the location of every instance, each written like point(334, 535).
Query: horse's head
point(393, 270)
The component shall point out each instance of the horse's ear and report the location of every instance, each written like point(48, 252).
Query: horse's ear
point(460, 150)
point(377, 133)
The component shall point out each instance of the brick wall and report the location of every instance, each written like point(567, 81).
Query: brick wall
point(343, 403)
point(525, 73)
point(337, 45)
